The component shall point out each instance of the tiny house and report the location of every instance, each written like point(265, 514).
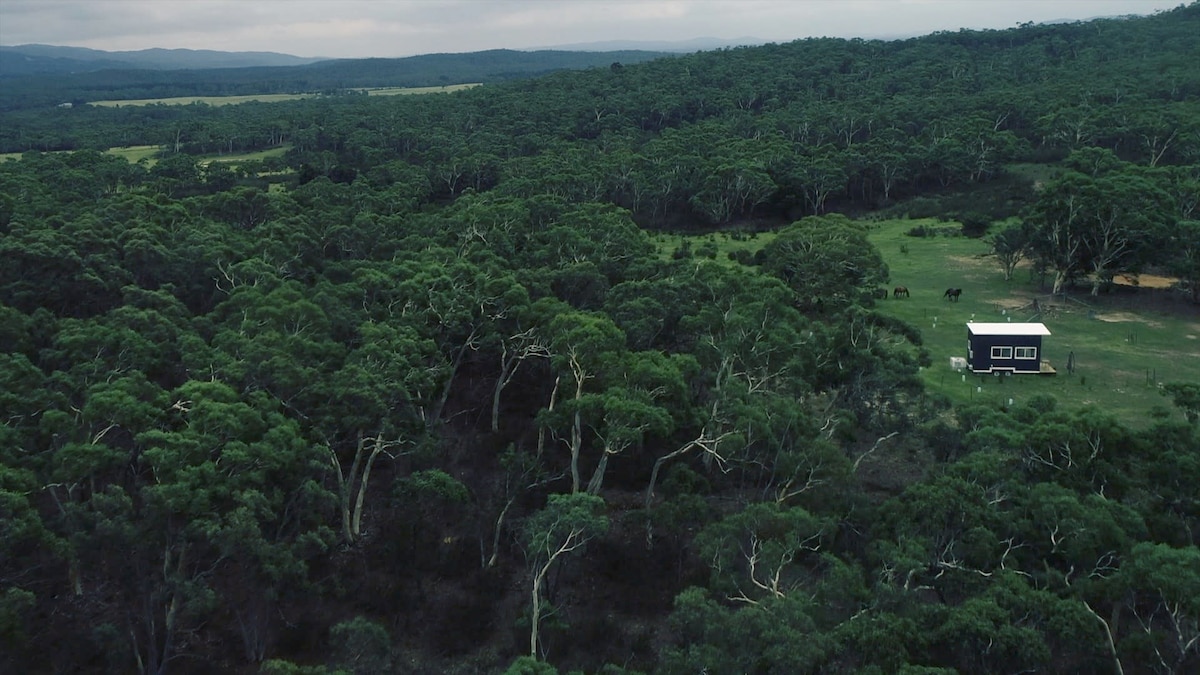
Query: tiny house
point(1006, 347)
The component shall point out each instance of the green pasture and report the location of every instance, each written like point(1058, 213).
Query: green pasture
point(273, 98)
point(133, 153)
point(716, 245)
point(1125, 343)
point(395, 91)
point(136, 153)
point(207, 100)
point(233, 158)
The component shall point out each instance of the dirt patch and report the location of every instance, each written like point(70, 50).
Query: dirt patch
point(1013, 303)
point(1145, 281)
point(1121, 317)
point(968, 259)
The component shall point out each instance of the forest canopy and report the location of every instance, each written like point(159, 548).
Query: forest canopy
point(417, 389)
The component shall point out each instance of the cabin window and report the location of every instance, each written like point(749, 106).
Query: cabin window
point(1026, 352)
point(1002, 352)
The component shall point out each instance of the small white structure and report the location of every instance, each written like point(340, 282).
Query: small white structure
point(958, 363)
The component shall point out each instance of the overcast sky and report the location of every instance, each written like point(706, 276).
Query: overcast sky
point(390, 28)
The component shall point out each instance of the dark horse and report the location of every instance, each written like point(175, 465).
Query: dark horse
point(881, 293)
point(899, 291)
point(952, 293)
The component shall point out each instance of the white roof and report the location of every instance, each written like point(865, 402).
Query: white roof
point(1007, 329)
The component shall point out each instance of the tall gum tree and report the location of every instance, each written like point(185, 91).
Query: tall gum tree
point(564, 526)
point(584, 346)
point(380, 392)
point(826, 260)
point(1058, 223)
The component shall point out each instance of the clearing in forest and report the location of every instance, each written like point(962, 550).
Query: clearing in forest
point(274, 98)
point(1123, 345)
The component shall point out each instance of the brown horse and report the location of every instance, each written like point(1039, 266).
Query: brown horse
point(952, 294)
point(899, 291)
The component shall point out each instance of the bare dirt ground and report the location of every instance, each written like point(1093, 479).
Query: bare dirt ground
point(1051, 306)
point(1124, 301)
point(1126, 317)
point(1145, 281)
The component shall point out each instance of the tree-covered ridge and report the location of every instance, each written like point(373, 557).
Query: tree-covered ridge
point(775, 131)
point(45, 60)
point(26, 88)
point(439, 405)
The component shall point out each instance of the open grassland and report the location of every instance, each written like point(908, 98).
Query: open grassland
point(275, 98)
point(234, 158)
point(396, 91)
point(716, 245)
point(1125, 343)
point(207, 100)
point(133, 153)
point(136, 153)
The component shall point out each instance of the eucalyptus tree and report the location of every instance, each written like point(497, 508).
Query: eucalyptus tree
point(459, 303)
point(564, 526)
point(1057, 221)
point(1010, 246)
point(778, 599)
point(584, 347)
point(827, 261)
point(1186, 259)
point(33, 551)
point(1103, 222)
point(376, 405)
point(1165, 584)
point(237, 490)
point(755, 409)
point(1130, 216)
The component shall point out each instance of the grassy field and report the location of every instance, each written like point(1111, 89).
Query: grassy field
point(208, 100)
point(717, 245)
point(133, 153)
point(1125, 343)
point(244, 156)
point(394, 91)
point(136, 153)
point(273, 98)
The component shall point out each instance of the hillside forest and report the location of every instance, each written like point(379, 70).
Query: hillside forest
point(417, 390)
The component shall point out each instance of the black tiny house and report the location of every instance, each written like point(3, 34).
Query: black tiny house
point(1005, 347)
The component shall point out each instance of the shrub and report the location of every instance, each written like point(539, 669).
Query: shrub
point(923, 207)
point(361, 645)
point(707, 250)
point(974, 224)
point(742, 256)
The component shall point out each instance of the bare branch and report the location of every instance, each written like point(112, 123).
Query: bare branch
point(875, 447)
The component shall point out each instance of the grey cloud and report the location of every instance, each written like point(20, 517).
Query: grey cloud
point(356, 28)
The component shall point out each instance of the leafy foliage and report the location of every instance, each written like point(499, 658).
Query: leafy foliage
point(366, 405)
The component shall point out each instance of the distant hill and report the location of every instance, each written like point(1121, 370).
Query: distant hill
point(50, 59)
point(674, 46)
point(33, 90)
